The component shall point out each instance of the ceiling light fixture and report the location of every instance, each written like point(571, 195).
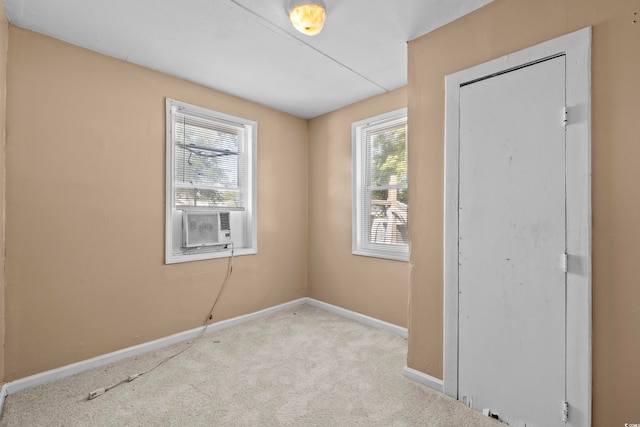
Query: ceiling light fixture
point(307, 16)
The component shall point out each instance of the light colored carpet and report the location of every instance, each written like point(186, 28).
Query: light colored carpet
point(301, 366)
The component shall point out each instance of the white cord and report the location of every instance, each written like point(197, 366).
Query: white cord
point(205, 325)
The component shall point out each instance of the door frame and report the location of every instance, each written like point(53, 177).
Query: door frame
point(576, 48)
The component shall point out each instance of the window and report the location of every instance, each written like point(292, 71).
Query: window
point(211, 184)
point(379, 152)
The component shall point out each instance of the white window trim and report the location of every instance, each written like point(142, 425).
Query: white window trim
point(358, 246)
point(251, 207)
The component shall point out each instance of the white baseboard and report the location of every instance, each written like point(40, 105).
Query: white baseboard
point(105, 359)
point(361, 318)
point(424, 379)
point(84, 365)
point(3, 394)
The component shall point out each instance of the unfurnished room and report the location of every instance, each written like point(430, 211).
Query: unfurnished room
point(320, 212)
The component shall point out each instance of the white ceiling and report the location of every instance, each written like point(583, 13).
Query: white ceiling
point(248, 48)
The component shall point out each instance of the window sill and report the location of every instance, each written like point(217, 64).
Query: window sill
point(176, 259)
point(390, 255)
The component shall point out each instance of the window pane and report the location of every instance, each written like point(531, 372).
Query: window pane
point(387, 218)
point(193, 196)
point(387, 157)
point(205, 155)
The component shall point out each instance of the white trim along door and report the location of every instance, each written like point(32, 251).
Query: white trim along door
point(517, 235)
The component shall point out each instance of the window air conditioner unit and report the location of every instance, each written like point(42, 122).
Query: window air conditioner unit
point(205, 228)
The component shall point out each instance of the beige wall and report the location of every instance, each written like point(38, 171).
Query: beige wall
point(372, 286)
point(495, 30)
point(85, 209)
point(4, 41)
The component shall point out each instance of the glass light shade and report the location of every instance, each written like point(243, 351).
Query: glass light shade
point(308, 18)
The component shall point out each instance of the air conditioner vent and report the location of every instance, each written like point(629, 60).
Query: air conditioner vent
point(224, 221)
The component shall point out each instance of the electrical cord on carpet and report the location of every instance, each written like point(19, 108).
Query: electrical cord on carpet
point(205, 325)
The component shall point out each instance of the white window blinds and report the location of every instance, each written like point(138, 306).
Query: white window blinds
point(380, 186)
point(209, 166)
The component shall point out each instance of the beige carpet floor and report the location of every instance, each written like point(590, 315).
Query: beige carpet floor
point(301, 366)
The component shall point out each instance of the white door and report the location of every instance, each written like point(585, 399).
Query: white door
point(512, 237)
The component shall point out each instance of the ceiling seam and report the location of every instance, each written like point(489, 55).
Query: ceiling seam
point(282, 32)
